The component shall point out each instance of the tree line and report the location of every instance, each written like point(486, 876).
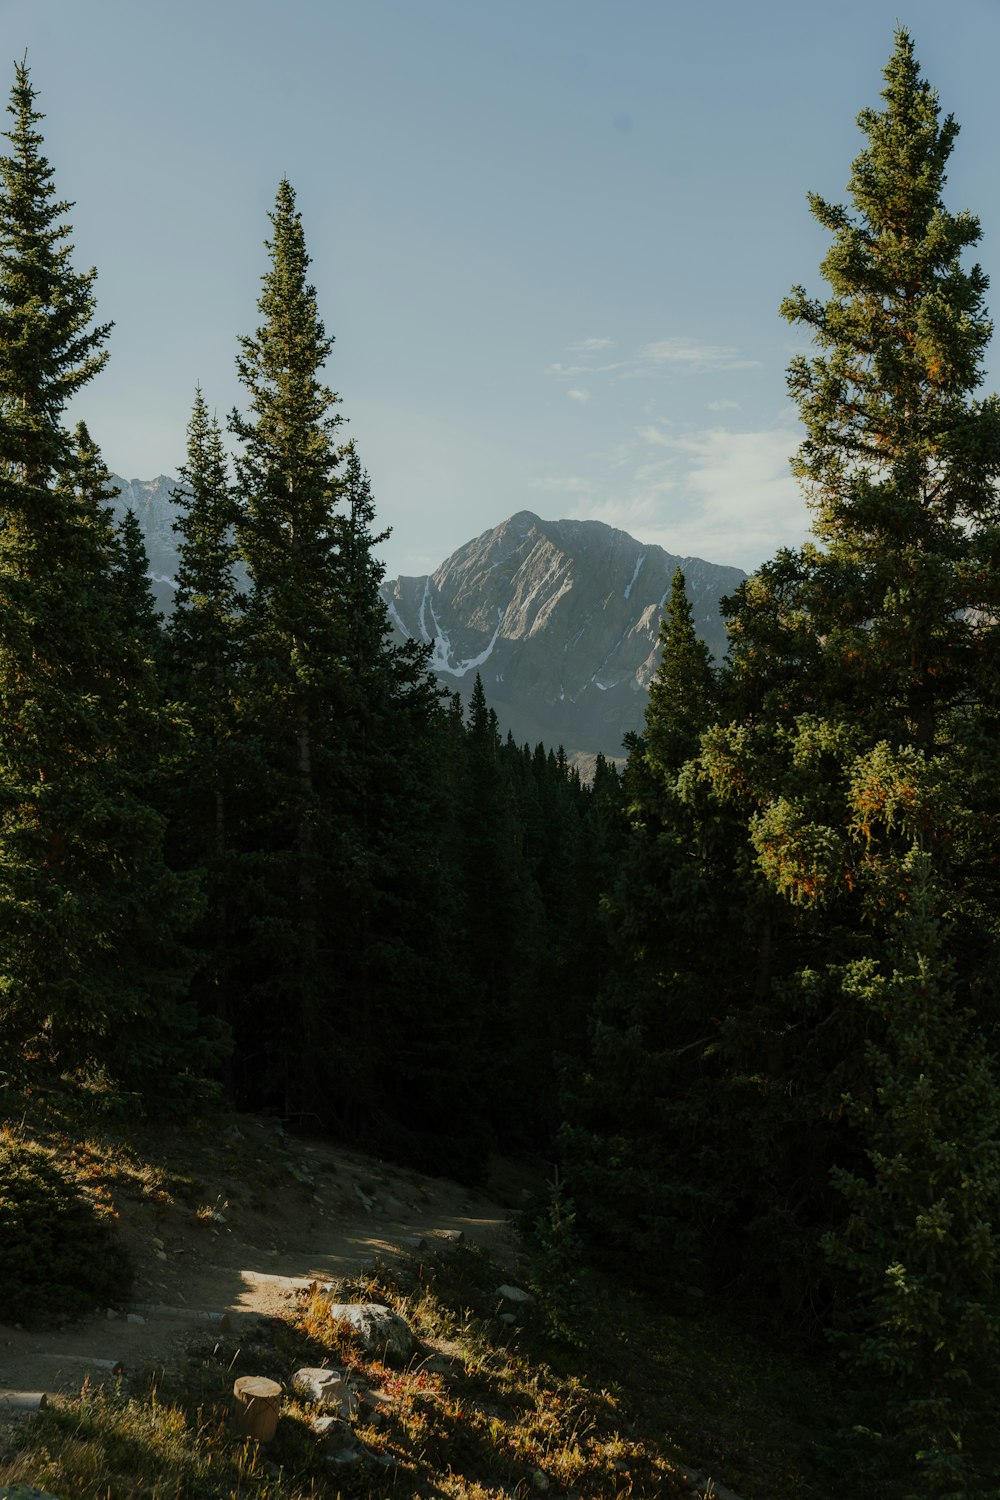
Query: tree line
point(746, 993)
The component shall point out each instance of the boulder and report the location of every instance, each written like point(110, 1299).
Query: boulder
point(330, 1388)
point(515, 1294)
point(379, 1330)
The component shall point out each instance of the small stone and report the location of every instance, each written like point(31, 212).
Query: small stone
point(334, 1434)
point(134, 1318)
point(112, 1314)
point(540, 1479)
point(24, 1492)
point(514, 1294)
point(508, 1318)
point(453, 1236)
point(414, 1241)
point(366, 1202)
point(160, 1254)
point(156, 1243)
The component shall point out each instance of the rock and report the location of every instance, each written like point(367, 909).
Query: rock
point(134, 1318)
point(334, 1434)
point(366, 1202)
point(331, 1388)
point(346, 1457)
point(414, 1241)
point(375, 1407)
point(452, 1236)
point(508, 1318)
point(540, 1479)
point(379, 1329)
point(24, 1492)
point(515, 1294)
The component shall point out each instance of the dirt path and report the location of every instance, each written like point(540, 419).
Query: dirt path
point(274, 1210)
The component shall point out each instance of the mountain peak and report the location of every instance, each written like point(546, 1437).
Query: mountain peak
point(560, 619)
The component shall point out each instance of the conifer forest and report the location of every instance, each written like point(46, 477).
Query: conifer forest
point(744, 987)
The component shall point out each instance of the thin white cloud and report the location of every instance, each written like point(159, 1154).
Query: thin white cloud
point(566, 372)
point(724, 406)
point(657, 437)
point(591, 346)
point(726, 496)
point(576, 393)
point(692, 354)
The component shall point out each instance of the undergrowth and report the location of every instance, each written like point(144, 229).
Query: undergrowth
point(59, 1255)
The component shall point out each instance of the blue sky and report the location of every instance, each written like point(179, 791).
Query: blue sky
point(550, 236)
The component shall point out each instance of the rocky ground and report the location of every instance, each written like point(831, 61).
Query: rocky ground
point(263, 1214)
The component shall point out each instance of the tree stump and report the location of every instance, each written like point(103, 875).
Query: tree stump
point(256, 1402)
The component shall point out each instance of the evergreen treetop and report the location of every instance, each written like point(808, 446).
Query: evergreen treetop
point(51, 346)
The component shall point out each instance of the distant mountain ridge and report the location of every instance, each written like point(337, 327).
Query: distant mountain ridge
point(156, 510)
point(560, 619)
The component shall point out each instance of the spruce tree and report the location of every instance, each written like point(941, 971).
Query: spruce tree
point(682, 694)
point(89, 969)
point(289, 533)
point(202, 653)
point(140, 617)
point(857, 715)
point(922, 1243)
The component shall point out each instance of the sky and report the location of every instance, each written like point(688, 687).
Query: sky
point(550, 237)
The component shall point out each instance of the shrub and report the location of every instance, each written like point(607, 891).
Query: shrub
point(58, 1258)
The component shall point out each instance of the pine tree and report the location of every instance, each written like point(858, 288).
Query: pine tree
point(202, 651)
point(900, 458)
point(922, 1243)
point(289, 534)
point(140, 617)
point(682, 694)
point(857, 716)
point(89, 967)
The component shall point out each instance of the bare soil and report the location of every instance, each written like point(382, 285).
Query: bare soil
point(261, 1213)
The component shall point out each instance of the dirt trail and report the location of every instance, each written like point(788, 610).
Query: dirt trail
point(273, 1207)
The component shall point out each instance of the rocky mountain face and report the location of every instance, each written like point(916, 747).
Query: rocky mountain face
point(560, 619)
point(156, 511)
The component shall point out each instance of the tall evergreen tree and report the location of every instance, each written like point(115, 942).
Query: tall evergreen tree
point(202, 653)
point(682, 694)
point(859, 718)
point(289, 535)
point(88, 965)
point(140, 617)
